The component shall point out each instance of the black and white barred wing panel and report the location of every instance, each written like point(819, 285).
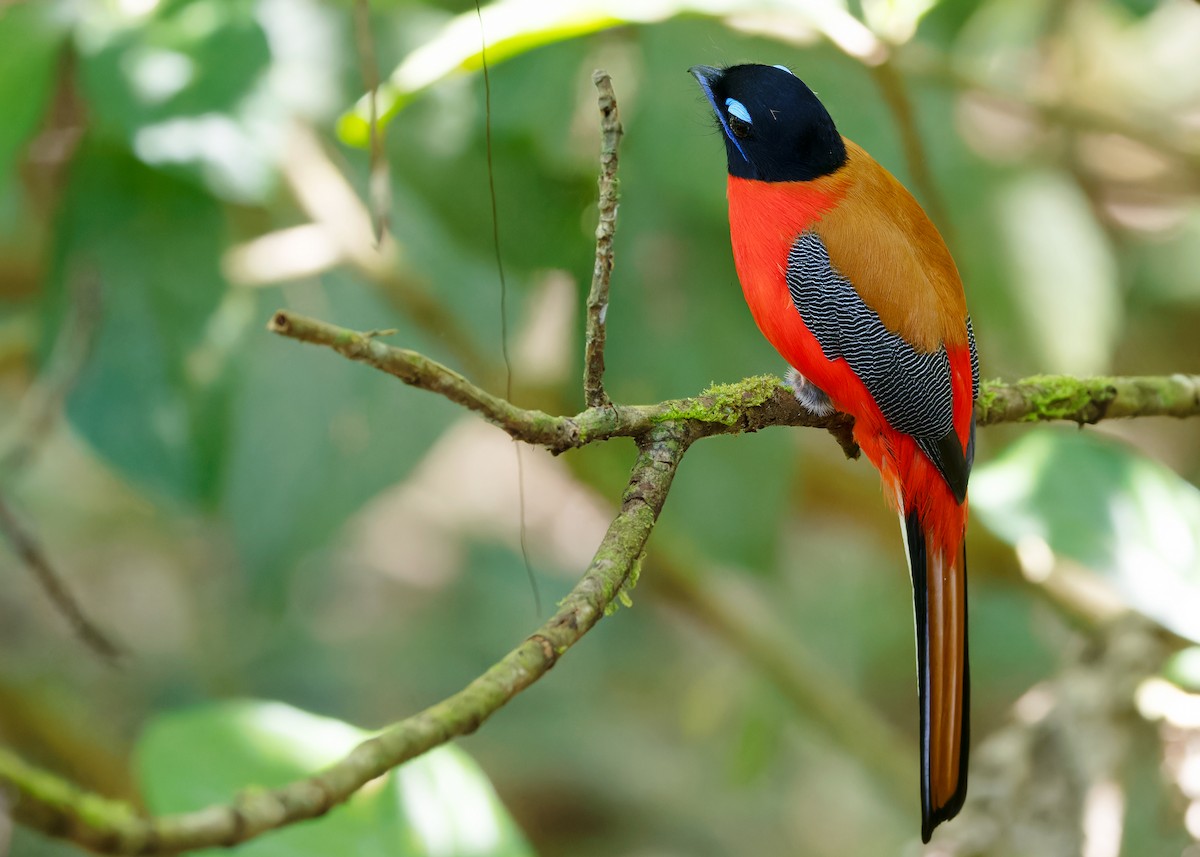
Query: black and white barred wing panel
point(913, 390)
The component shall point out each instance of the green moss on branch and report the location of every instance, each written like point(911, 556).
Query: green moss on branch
point(1043, 398)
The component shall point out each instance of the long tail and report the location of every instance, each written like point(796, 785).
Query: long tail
point(940, 602)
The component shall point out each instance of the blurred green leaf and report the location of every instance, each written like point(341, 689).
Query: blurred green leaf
point(757, 738)
point(541, 214)
point(512, 28)
point(27, 842)
point(1090, 499)
point(208, 88)
point(189, 57)
point(313, 435)
point(30, 39)
point(1063, 272)
point(179, 88)
point(149, 399)
point(438, 805)
point(1138, 8)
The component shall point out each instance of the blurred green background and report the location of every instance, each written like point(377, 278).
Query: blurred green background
point(256, 519)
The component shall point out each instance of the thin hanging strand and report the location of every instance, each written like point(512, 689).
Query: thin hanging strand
point(508, 373)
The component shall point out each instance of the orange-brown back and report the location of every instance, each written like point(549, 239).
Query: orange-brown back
point(881, 240)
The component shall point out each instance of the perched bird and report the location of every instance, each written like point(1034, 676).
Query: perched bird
point(850, 281)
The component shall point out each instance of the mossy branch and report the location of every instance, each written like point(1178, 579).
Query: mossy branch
point(750, 404)
point(1087, 400)
point(54, 806)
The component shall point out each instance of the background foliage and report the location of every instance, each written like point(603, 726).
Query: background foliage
point(255, 519)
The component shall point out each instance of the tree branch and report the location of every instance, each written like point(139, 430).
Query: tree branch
point(40, 409)
point(597, 302)
point(1043, 398)
point(27, 549)
point(663, 431)
point(747, 405)
point(54, 806)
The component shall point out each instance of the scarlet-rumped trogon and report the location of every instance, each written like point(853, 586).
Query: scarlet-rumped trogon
point(851, 282)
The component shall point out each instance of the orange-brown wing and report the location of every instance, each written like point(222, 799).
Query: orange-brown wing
point(880, 239)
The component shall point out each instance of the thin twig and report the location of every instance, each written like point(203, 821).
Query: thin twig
point(41, 406)
point(420, 371)
point(597, 302)
point(40, 410)
point(895, 95)
point(748, 406)
point(379, 187)
point(48, 803)
point(29, 551)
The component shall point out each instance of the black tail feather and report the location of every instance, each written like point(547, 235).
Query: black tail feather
point(940, 806)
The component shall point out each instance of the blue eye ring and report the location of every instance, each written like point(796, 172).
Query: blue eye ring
point(737, 110)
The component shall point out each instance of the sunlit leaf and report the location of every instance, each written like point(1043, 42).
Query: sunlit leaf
point(1184, 668)
point(207, 88)
point(896, 20)
point(514, 27)
point(438, 805)
point(1092, 500)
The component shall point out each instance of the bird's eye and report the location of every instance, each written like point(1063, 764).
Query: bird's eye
point(740, 129)
point(739, 118)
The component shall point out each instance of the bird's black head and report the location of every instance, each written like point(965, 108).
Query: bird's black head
point(775, 128)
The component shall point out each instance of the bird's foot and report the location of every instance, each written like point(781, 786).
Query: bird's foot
point(811, 397)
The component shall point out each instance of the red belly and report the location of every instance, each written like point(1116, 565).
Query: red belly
point(765, 222)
